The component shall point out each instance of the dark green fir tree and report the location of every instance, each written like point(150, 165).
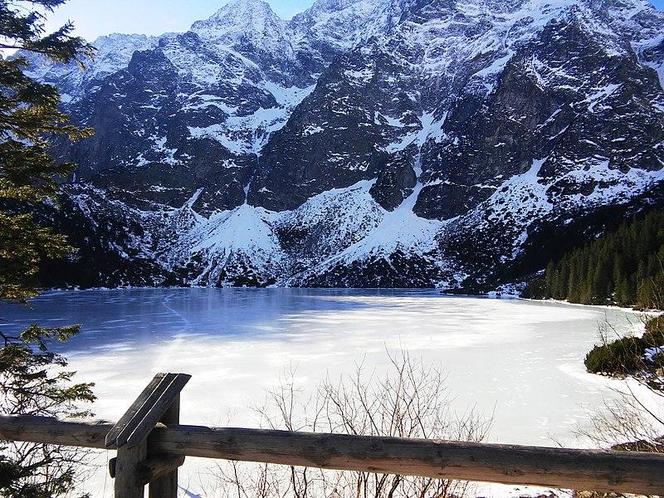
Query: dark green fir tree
point(33, 380)
point(624, 267)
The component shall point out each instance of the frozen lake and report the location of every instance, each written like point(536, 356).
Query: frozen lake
point(521, 361)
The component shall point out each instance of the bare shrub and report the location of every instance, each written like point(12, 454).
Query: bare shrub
point(635, 420)
point(410, 400)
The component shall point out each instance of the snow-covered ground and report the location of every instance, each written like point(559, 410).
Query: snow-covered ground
point(520, 360)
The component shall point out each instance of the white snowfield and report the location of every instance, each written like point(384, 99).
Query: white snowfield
point(518, 361)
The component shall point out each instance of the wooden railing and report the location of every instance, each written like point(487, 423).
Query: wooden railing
point(151, 445)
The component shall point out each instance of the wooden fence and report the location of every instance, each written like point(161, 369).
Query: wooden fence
point(151, 445)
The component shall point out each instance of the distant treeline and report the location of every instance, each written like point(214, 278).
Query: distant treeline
point(624, 267)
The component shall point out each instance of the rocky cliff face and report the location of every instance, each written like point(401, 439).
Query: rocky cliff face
point(364, 142)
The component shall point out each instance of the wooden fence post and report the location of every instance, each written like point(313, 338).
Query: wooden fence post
point(135, 466)
point(127, 483)
point(167, 486)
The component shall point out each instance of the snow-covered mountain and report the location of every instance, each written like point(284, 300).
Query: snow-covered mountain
point(459, 143)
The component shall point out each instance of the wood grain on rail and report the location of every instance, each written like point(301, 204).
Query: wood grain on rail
point(626, 472)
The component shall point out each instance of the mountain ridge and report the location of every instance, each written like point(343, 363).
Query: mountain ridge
point(454, 133)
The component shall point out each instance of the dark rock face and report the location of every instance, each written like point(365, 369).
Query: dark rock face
point(143, 151)
point(329, 141)
point(395, 182)
point(363, 143)
point(399, 271)
point(575, 103)
point(113, 244)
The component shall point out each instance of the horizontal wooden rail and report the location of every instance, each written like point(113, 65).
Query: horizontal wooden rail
point(625, 472)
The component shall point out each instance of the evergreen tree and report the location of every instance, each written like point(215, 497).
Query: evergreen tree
point(29, 119)
point(32, 379)
point(624, 267)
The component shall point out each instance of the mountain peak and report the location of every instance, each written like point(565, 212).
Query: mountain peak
point(236, 8)
point(252, 20)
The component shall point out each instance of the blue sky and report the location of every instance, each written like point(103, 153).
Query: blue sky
point(154, 17)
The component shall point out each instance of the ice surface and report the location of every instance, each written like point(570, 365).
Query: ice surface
point(521, 360)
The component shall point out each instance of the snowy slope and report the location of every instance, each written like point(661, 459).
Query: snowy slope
point(366, 142)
